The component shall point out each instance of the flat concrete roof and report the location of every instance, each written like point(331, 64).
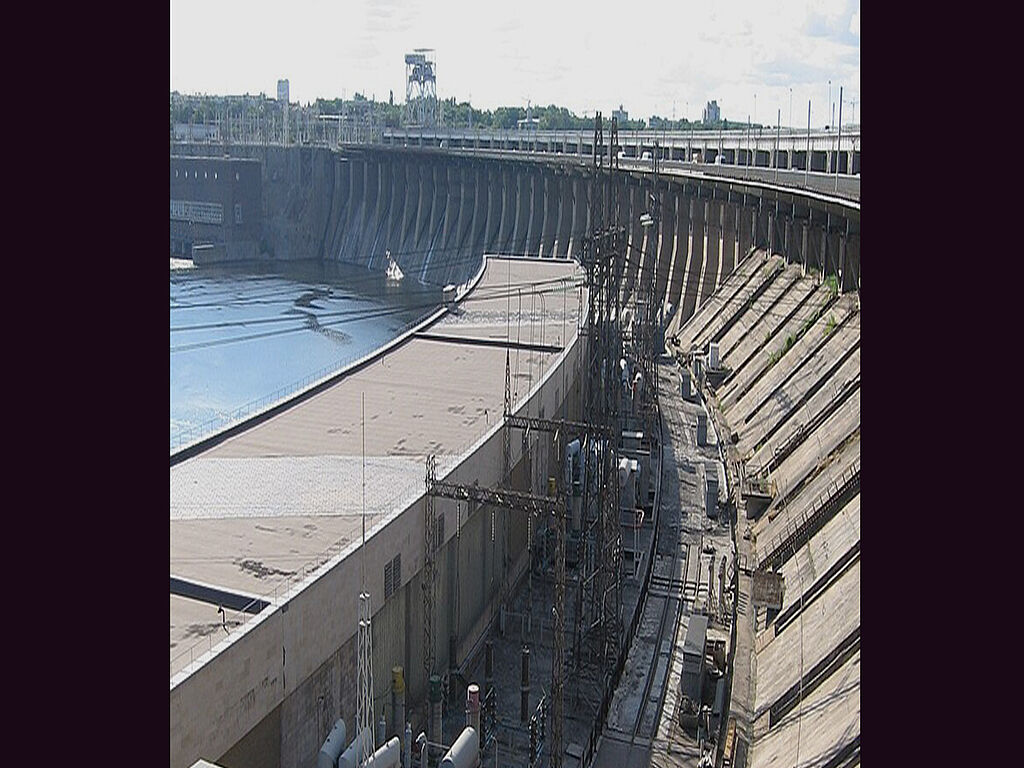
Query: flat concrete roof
point(279, 499)
point(192, 620)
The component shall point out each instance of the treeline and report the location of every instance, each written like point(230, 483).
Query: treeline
point(462, 114)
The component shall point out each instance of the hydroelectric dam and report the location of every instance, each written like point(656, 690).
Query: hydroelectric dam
point(490, 406)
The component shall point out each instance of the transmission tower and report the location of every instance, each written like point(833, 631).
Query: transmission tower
point(561, 510)
point(429, 545)
point(603, 258)
point(420, 89)
point(364, 704)
point(364, 713)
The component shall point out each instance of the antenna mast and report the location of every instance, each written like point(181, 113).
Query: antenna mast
point(364, 705)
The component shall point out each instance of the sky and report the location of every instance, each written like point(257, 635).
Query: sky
point(663, 57)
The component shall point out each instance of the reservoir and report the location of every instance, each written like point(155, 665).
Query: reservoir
point(243, 336)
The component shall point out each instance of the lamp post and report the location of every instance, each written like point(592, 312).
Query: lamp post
point(778, 120)
point(839, 139)
point(807, 159)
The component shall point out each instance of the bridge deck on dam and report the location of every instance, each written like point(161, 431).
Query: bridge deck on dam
point(270, 504)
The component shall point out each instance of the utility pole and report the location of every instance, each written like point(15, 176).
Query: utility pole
point(429, 534)
point(778, 120)
point(364, 704)
point(839, 137)
point(807, 160)
point(563, 499)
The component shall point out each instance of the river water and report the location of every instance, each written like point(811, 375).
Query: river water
point(243, 336)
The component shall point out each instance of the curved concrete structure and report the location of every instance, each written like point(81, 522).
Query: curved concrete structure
point(253, 695)
point(439, 212)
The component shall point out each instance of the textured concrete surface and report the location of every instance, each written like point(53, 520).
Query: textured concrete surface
point(825, 722)
point(790, 400)
point(813, 560)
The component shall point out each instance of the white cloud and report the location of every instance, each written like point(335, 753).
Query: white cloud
point(581, 57)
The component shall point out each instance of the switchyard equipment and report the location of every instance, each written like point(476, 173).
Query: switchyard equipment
point(584, 495)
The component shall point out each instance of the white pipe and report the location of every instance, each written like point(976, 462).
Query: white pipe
point(332, 747)
point(350, 757)
point(465, 752)
point(388, 756)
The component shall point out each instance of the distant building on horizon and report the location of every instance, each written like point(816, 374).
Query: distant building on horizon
point(282, 91)
point(196, 132)
point(712, 114)
point(620, 115)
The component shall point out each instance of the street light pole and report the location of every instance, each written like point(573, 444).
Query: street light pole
point(778, 120)
point(807, 159)
point(839, 138)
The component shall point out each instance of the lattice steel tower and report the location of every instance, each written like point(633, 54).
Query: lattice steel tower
point(420, 89)
point(364, 705)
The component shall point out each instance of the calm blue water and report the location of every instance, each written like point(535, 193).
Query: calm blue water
point(243, 334)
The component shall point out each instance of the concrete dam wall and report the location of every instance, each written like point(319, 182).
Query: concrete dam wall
point(438, 212)
point(269, 695)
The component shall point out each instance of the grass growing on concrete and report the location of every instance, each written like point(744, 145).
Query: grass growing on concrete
point(777, 354)
point(833, 286)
